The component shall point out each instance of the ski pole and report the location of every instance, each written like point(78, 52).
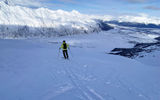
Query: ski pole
point(58, 52)
point(70, 52)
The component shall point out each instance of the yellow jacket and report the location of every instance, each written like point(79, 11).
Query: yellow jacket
point(63, 48)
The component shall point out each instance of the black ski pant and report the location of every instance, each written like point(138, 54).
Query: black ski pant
point(65, 54)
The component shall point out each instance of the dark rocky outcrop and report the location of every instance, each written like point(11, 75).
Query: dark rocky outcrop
point(126, 52)
point(104, 26)
point(145, 45)
point(158, 38)
point(137, 49)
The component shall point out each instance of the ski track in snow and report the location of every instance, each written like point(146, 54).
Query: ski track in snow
point(133, 90)
point(85, 92)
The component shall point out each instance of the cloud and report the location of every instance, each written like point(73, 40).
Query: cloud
point(136, 1)
point(68, 1)
point(28, 3)
point(41, 3)
point(140, 18)
point(152, 8)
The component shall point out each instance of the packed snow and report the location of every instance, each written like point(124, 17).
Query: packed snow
point(34, 69)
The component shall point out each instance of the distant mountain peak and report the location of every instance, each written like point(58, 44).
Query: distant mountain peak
point(8, 2)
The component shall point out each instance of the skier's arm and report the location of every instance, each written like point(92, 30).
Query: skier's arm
point(61, 47)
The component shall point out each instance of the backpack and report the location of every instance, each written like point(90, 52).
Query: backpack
point(64, 46)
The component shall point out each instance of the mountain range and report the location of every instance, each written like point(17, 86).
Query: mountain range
point(22, 22)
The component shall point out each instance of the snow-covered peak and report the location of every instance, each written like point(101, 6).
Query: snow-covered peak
point(41, 17)
point(13, 14)
point(15, 19)
point(7, 3)
point(141, 18)
point(23, 3)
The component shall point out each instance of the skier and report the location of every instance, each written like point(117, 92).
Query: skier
point(64, 48)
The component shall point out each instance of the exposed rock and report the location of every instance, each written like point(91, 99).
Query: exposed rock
point(158, 38)
point(145, 45)
point(136, 50)
point(127, 52)
point(104, 26)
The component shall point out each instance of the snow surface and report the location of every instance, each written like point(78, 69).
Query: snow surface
point(35, 70)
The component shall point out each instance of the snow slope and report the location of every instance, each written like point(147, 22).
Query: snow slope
point(35, 70)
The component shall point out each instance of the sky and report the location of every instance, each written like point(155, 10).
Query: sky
point(99, 7)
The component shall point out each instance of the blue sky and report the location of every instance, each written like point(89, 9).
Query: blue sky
point(102, 7)
point(113, 7)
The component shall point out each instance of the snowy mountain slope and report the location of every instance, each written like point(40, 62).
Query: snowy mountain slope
point(145, 41)
point(142, 18)
point(135, 24)
point(35, 70)
point(41, 17)
point(17, 21)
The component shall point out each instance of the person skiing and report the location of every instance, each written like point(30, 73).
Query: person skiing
point(64, 48)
